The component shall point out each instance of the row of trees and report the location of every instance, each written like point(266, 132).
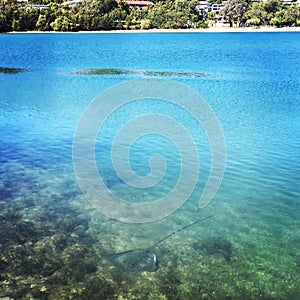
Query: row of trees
point(109, 15)
point(273, 13)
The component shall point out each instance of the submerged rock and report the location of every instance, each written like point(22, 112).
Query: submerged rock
point(216, 245)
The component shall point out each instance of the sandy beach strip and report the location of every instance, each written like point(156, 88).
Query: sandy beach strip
point(211, 29)
point(200, 30)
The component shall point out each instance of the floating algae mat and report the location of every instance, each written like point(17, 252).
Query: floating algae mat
point(5, 70)
point(139, 260)
point(143, 73)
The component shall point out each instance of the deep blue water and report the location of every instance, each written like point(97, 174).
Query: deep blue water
point(251, 81)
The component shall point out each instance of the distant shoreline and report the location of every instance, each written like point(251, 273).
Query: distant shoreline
point(200, 30)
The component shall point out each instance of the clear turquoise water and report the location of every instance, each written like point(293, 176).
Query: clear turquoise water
point(54, 243)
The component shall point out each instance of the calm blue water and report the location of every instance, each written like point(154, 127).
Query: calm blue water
point(251, 80)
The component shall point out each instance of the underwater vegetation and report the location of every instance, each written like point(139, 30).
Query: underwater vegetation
point(143, 73)
point(43, 250)
point(45, 247)
point(5, 70)
point(54, 246)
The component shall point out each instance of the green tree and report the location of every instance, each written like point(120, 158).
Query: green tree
point(168, 14)
point(234, 10)
point(174, 14)
point(5, 17)
point(25, 19)
point(145, 24)
point(257, 14)
point(272, 6)
point(99, 15)
point(271, 12)
point(62, 23)
point(278, 20)
point(290, 16)
point(42, 23)
point(134, 19)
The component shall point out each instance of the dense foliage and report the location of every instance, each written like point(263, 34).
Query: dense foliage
point(109, 15)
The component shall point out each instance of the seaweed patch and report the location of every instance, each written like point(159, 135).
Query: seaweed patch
point(143, 73)
point(5, 70)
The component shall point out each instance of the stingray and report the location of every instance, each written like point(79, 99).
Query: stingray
point(139, 260)
point(216, 245)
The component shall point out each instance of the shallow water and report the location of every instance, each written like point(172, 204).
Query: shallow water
point(54, 244)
